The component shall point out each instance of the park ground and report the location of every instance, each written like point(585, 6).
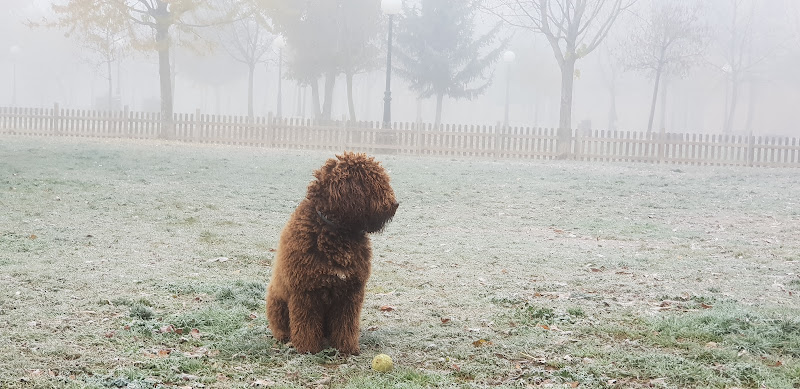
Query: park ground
point(141, 264)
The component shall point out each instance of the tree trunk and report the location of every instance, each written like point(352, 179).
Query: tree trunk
point(567, 82)
point(298, 108)
point(653, 101)
point(728, 126)
point(438, 121)
point(330, 82)
point(350, 105)
point(110, 86)
point(565, 110)
point(748, 127)
point(612, 108)
point(663, 108)
point(315, 99)
point(252, 71)
point(164, 72)
point(217, 100)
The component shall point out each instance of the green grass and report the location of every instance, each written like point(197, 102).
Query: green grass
point(500, 273)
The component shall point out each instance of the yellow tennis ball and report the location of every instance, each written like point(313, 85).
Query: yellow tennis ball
point(382, 363)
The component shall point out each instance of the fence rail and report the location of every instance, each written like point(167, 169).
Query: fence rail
point(410, 138)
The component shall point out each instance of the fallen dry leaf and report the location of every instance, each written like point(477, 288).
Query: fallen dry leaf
point(264, 383)
point(198, 353)
point(169, 328)
point(545, 326)
point(321, 381)
point(195, 333)
point(481, 342)
point(164, 352)
point(387, 308)
point(188, 377)
point(445, 320)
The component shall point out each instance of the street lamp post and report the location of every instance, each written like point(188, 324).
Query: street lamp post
point(14, 51)
point(391, 8)
point(280, 43)
point(508, 58)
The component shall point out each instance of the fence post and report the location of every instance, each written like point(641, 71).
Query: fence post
point(126, 122)
point(497, 140)
point(580, 134)
point(342, 134)
point(196, 127)
point(56, 119)
point(750, 151)
point(417, 136)
point(564, 143)
point(269, 130)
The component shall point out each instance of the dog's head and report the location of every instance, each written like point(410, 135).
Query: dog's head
point(353, 191)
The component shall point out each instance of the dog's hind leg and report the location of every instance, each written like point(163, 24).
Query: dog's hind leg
point(305, 315)
point(278, 317)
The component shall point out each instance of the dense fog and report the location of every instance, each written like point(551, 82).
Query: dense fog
point(43, 65)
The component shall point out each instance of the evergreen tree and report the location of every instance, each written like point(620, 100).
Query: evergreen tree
point(439, 54)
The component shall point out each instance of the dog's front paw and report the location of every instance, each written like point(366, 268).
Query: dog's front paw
point(281, 336)
point(349, 350)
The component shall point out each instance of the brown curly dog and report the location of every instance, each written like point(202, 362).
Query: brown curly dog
point(324, 254)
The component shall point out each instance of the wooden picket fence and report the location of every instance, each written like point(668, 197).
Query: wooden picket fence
point(411, 138)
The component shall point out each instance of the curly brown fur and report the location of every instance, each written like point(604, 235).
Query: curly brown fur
point(324, 255)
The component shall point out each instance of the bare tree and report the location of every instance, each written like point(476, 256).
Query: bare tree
point(573, 28)
point(667, 42)
point(101, 33)
point(609, 70)
point(743, 45)
point(327, 38)
point(148, 24)
point(248, 40)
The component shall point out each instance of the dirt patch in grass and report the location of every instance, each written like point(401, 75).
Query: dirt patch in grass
point(138, 264)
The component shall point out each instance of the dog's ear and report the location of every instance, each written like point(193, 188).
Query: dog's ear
point(354, 158)
point(325, 169)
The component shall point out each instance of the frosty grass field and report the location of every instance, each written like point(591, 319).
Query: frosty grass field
point(144, 264)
